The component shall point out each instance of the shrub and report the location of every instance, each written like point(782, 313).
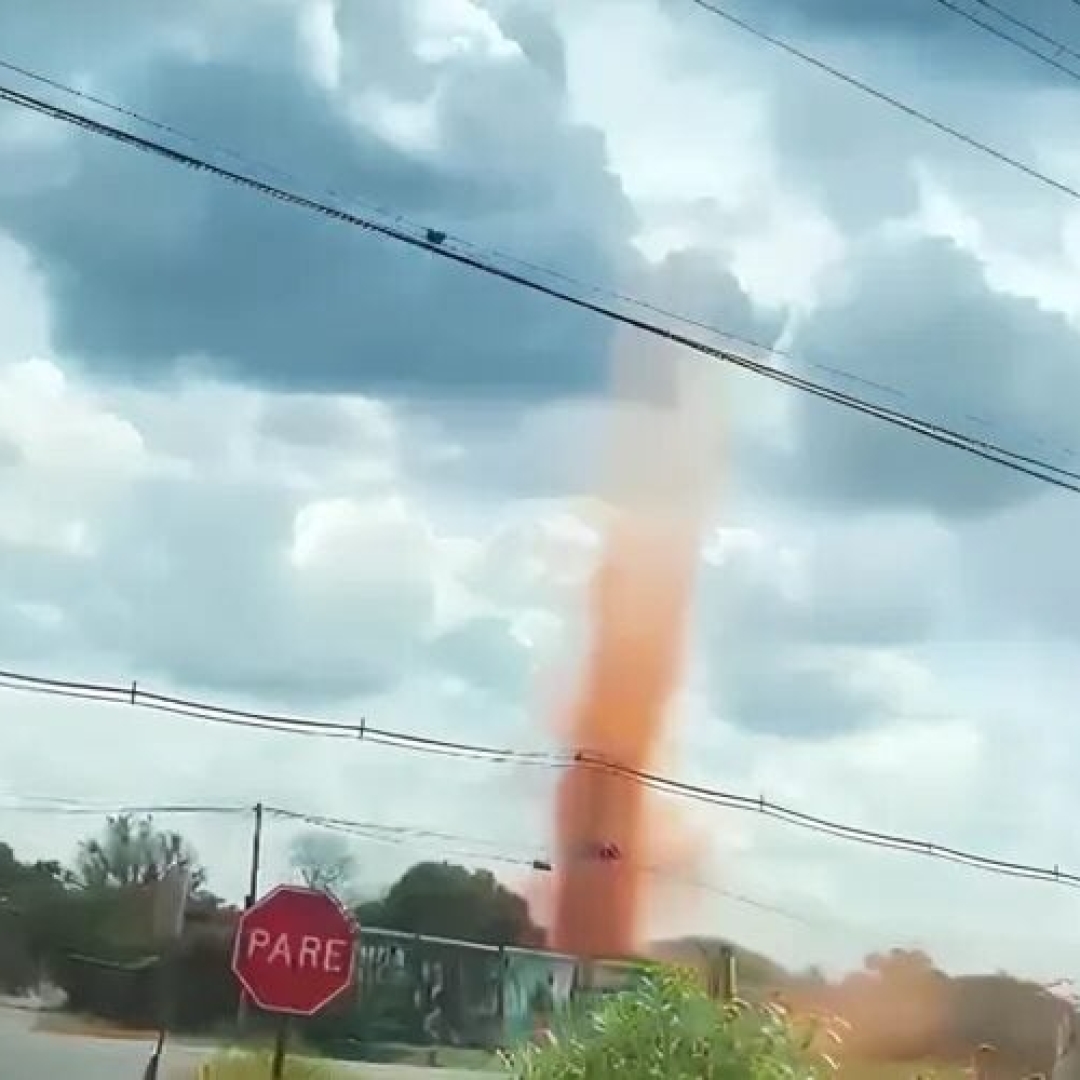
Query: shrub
point(668, 1026)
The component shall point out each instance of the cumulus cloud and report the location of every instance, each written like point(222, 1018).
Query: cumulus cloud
point(288, 551)
point(250, 453)
point(202, 271)
point(204, 276)
point(918, 321)
point(63, 459)
point(239, 570)
point(805, 626)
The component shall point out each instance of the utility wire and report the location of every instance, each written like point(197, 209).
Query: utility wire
point(397, 832)
point(813, 823)
point(910, 111)
point(1034, 31)
point(406, 836)
point(134, 696)
point(433, 242)
point(1010, 39)
point(400, 219)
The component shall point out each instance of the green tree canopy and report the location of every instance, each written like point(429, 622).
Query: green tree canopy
point(446, 900)
point(22, 879)
point(32, 910)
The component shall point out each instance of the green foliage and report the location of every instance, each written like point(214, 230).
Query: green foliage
point(668, 1027)
point(35, 917)
point(450, 901)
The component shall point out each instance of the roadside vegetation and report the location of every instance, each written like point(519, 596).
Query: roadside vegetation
point(670, 1027)
point(256, 1065)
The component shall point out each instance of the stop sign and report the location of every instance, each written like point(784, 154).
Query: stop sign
point(294, 950)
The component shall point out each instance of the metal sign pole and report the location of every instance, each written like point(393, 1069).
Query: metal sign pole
point(242, 1005)
point(281, 1040)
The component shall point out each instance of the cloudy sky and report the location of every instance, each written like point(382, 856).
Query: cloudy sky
point(253, 455)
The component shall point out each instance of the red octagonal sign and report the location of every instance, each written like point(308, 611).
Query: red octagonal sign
point(295, 950)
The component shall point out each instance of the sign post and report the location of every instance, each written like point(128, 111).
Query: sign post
point(294, 953)
point(281, 1044)
point(168, 900)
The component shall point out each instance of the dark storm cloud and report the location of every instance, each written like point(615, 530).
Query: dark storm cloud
point(918, 316)
point(49, 35)
point(555, 447)
point(921, 31)
point(854, 154)
point(791, 645)
point(149, 265)
point(801, 701)
point(151, 268)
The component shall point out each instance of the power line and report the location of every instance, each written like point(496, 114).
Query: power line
point(64, 808)
point(433, 242)
point(407, 836)
point(913, 113)
point(813, 823)
point(132, 695)
point(1034, 31)
point(400, 219)
point(1010, 39)
point(400, 836)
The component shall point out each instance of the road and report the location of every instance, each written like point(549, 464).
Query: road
point(26, 1054)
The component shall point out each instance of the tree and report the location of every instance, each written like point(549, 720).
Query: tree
point(323, 861)
point(17, 877)
point(451, 901)
point(31, 899)
point(902, 965)
point(130, 851)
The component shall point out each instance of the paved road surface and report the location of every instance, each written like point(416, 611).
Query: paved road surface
point(26, 1054)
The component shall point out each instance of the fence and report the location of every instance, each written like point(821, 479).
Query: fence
point(411, 989)
point(418, 989)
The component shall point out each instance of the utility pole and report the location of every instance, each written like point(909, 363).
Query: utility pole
point(252, 896)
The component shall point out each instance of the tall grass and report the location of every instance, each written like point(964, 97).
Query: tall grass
point(668, 1027)
point(256, 1065)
